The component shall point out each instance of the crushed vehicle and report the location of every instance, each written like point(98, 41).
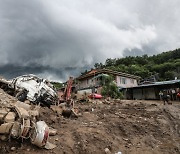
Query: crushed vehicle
point(32, 88)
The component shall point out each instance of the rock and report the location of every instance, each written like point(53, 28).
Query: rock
point(34, 113)
point(118, 152)
point(10, 117)
point(22, 113)
point(5, 128)
point(52, 131)
point(57, 109)
point(107, 151)
point(23, 105)
point(98, 102)
point(15, 131)
point(3, 137)
point(13, 148)
point(125, 139)
point(50, 146)
point(27, 102)
point(3, 112)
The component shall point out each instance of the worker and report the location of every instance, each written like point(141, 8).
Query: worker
point(160, 95)
point(165, 97)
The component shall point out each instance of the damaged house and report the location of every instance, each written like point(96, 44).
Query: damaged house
point(91, 81)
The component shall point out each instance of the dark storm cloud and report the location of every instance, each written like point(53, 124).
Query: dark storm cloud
point(46, 37)
point(11, 71)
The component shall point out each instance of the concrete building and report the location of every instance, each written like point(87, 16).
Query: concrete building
point(91, 81)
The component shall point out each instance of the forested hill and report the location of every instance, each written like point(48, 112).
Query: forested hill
point(164, 66)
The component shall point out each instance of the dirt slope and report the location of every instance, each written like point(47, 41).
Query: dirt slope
point(137, 127)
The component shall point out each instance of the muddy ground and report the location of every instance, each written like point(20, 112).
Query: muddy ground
point(127, 126)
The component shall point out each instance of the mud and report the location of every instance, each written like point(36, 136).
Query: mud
point(130, 127)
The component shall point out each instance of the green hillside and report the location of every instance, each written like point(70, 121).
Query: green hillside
point(164, 66)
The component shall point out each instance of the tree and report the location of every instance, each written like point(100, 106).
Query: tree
point(98, 65)
point(169, 75)
point(109, 88)
point(144, 66)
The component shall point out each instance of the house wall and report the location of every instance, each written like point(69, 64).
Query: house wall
point(89, 82)
point(144, 93)
point(137, 94)
point(149, 93)
point(86, 91)
point(125, 82)
point(83, 93)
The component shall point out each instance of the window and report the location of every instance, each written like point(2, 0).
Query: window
point(123, 80)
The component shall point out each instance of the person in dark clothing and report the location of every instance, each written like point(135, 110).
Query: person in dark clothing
point(165, 97)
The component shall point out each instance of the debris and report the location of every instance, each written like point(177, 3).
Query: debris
point(49, 146)
point(40, 134)
point(19, 121)
point(10, 117)
point(13, 148)
point(3, 112)
point(22, 113)
point(52, 132)
point(32, 88)
point(23, 105)
point(3, 137)
point(25, 127)
point(15, 131)
point(5, 128)
point(74, 112)
point(100, 131)
point(28, 149)
point(118, 152)
point(67, 112)
point(107, 151)
point(125, 139)
point(57, 109)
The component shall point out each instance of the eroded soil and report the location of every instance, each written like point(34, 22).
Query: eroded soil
point(127, 126)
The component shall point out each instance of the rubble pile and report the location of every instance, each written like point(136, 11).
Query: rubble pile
point(19, 120)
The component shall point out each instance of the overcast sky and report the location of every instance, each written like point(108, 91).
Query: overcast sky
point(58, 38)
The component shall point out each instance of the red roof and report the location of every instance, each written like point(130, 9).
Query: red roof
point(92, 72)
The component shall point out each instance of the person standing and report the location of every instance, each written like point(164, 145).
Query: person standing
point(165, 97)
point(160, 95)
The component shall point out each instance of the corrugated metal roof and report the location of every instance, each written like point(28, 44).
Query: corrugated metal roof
point(159, 83)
